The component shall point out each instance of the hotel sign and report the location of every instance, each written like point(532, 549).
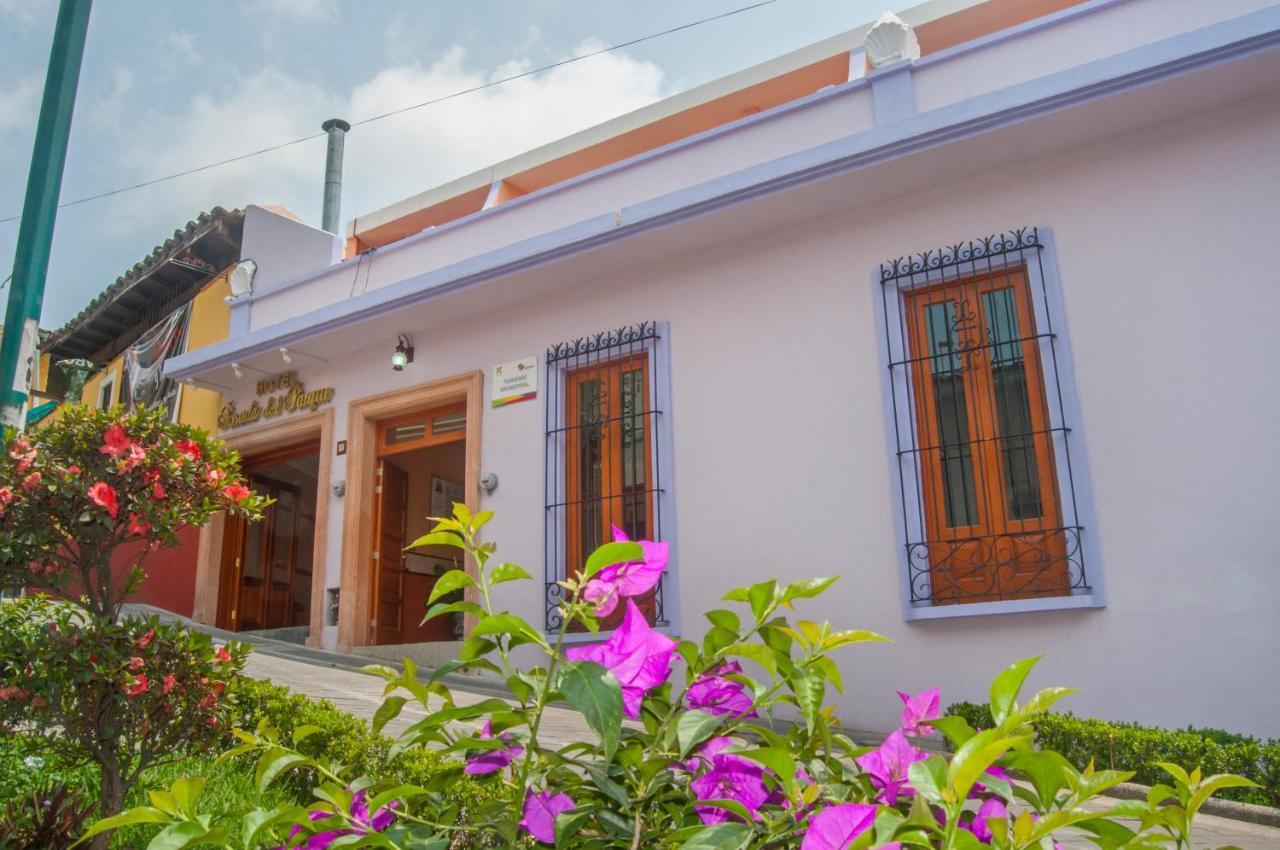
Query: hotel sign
point(284, 394)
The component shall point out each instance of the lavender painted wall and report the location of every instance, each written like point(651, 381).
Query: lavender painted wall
point(779, 416)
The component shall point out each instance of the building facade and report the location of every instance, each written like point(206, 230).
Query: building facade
point(982, 327)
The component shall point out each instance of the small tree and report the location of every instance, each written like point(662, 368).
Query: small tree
point(129, 694)
point(75, 491)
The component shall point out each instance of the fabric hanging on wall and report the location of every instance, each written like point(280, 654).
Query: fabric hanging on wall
point(144, 361)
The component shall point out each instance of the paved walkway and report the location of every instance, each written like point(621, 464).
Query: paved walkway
point(361, 694)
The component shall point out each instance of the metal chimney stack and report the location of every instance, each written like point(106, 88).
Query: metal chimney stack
point(337, 130)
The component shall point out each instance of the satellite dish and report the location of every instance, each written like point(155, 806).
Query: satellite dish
point(241, 278)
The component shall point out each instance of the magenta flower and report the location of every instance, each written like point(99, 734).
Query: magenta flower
point(918, 710)
point(715, 694)
point(633, 578)
point(491, 761)
point(888, 765)
point(638, 657)
point(992, 808)
point(994, 772)
point(730, 777)
point(835, 827)
point(540, 812)
point(359, 813)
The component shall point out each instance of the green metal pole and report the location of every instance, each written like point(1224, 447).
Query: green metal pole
point(35, 231)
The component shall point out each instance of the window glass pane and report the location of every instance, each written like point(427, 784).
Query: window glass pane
point(406, 433)
point(959, 494)
point(1013, 407)
point(590, 464)
point(449, 422)
point(634, 449)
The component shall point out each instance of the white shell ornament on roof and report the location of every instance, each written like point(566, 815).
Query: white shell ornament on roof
point(890, 40)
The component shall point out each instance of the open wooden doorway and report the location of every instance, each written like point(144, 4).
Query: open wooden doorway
point(422, 440)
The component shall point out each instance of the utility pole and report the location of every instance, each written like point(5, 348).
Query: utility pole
point(39, 210)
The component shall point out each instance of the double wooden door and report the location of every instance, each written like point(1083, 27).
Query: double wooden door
point(261, 563)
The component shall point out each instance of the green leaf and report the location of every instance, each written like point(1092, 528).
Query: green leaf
point(1045, 768)
point(956, 728)
point(722, 836)
point(142, 814)
point(507, 572)
point(1005, 687)
point(780, 762)
point(762, 597)
point(460, 607)
point(301, 733)
point(844, 638)
point(388, 711)
point(508, 624)
point(807, 587)
point(972, 760)
point(273, 762)
point(449, 582)
point(759, 653)
point(725, 619)
point(610, 554)
point(439, 538)
point(186, 791)
point(929, 778)
point(693, 728)
point(596, 695)
point(180, 836)
point(809, 689)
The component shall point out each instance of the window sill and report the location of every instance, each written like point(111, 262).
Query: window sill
point(1009, 606)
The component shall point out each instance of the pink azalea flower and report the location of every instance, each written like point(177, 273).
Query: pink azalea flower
point(115, 442)
point(715, 694)
point(104, 496)
point(638, 657)
point(835, 827)
point(189, 449)
point(540, 812)
point(137, 687)
point(31, 481)
point(919, 709)
point(23, 453)
point(634, 578)
point(730, 777)
point(236, 492)
point(137, 526)
point(134, 456)
point(888, 766)
point(491, 761)
point(6, 496)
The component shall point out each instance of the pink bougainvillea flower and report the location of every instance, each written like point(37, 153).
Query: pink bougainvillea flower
point(236, 492)
point(730, 777)
point(638, 657)
point(31, 481)
point(138, 686)
point(115, 442)
point(715, 694)
point(491, 761)
point(188, 449)
point(137, 526)
point(888, 765)
point(540, 812)
point(103, 495)
point(994, 809)
point(358, 814)
point(995, 772)
point(633, 578)
point(835, 827)
point(918, 710)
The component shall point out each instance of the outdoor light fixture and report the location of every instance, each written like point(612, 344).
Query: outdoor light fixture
point(284, 352)
point(403, 355)
point(236, 370)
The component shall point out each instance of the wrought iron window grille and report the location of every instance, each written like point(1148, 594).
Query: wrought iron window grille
point(983, 455)
point(603, 454)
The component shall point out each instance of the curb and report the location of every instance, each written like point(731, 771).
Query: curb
point(1230, 809)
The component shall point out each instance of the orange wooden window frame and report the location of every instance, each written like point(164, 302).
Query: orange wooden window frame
point(991, 517)
point(425, 416)
point(610, 374)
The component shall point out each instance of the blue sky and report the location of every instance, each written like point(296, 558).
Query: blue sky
point(169, 85)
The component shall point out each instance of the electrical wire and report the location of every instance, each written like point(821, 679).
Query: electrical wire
point(410, 108)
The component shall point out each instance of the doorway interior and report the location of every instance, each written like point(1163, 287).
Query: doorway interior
point(420, 471)
point(267, 566)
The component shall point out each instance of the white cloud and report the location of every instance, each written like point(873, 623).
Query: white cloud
point(300, 9)
point(24, 12)
point(19, 105)
point(386, 160)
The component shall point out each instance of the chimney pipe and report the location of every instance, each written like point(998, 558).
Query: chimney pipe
point(337, 130)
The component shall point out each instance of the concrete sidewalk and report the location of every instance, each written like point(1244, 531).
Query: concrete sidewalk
point(362, 693)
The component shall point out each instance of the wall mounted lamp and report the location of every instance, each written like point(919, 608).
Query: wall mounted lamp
point(284, 353)
point(403, 355)
point(236, 370)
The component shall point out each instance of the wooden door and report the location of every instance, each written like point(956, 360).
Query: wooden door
point(391, 502)
point(229, 573)
point(988, 480)
point(282, 552)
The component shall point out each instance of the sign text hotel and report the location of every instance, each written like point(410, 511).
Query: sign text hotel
point(285, 394)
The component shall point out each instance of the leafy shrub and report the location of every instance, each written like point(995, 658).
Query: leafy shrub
point(702, 764)
point(50, 817)
point(1142, 748)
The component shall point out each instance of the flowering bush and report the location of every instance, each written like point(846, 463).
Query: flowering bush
point(126, 695)
point(73, 492)
point(684, 751)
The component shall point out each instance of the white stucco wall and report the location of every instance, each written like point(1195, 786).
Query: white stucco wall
point(782, 457)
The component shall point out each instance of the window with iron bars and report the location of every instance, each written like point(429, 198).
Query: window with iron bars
point(606, 436)
point(987, 488)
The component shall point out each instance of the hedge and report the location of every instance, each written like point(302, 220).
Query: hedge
point(1128, 746)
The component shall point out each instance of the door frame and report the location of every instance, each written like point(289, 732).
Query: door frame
point(364, 414)
point(279, 435)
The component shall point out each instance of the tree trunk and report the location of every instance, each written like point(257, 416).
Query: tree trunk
point(111, 802)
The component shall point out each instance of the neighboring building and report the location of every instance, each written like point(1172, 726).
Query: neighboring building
point(173, 301)
point(768, 321)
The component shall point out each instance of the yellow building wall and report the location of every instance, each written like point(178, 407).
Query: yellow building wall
point(210, 321)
